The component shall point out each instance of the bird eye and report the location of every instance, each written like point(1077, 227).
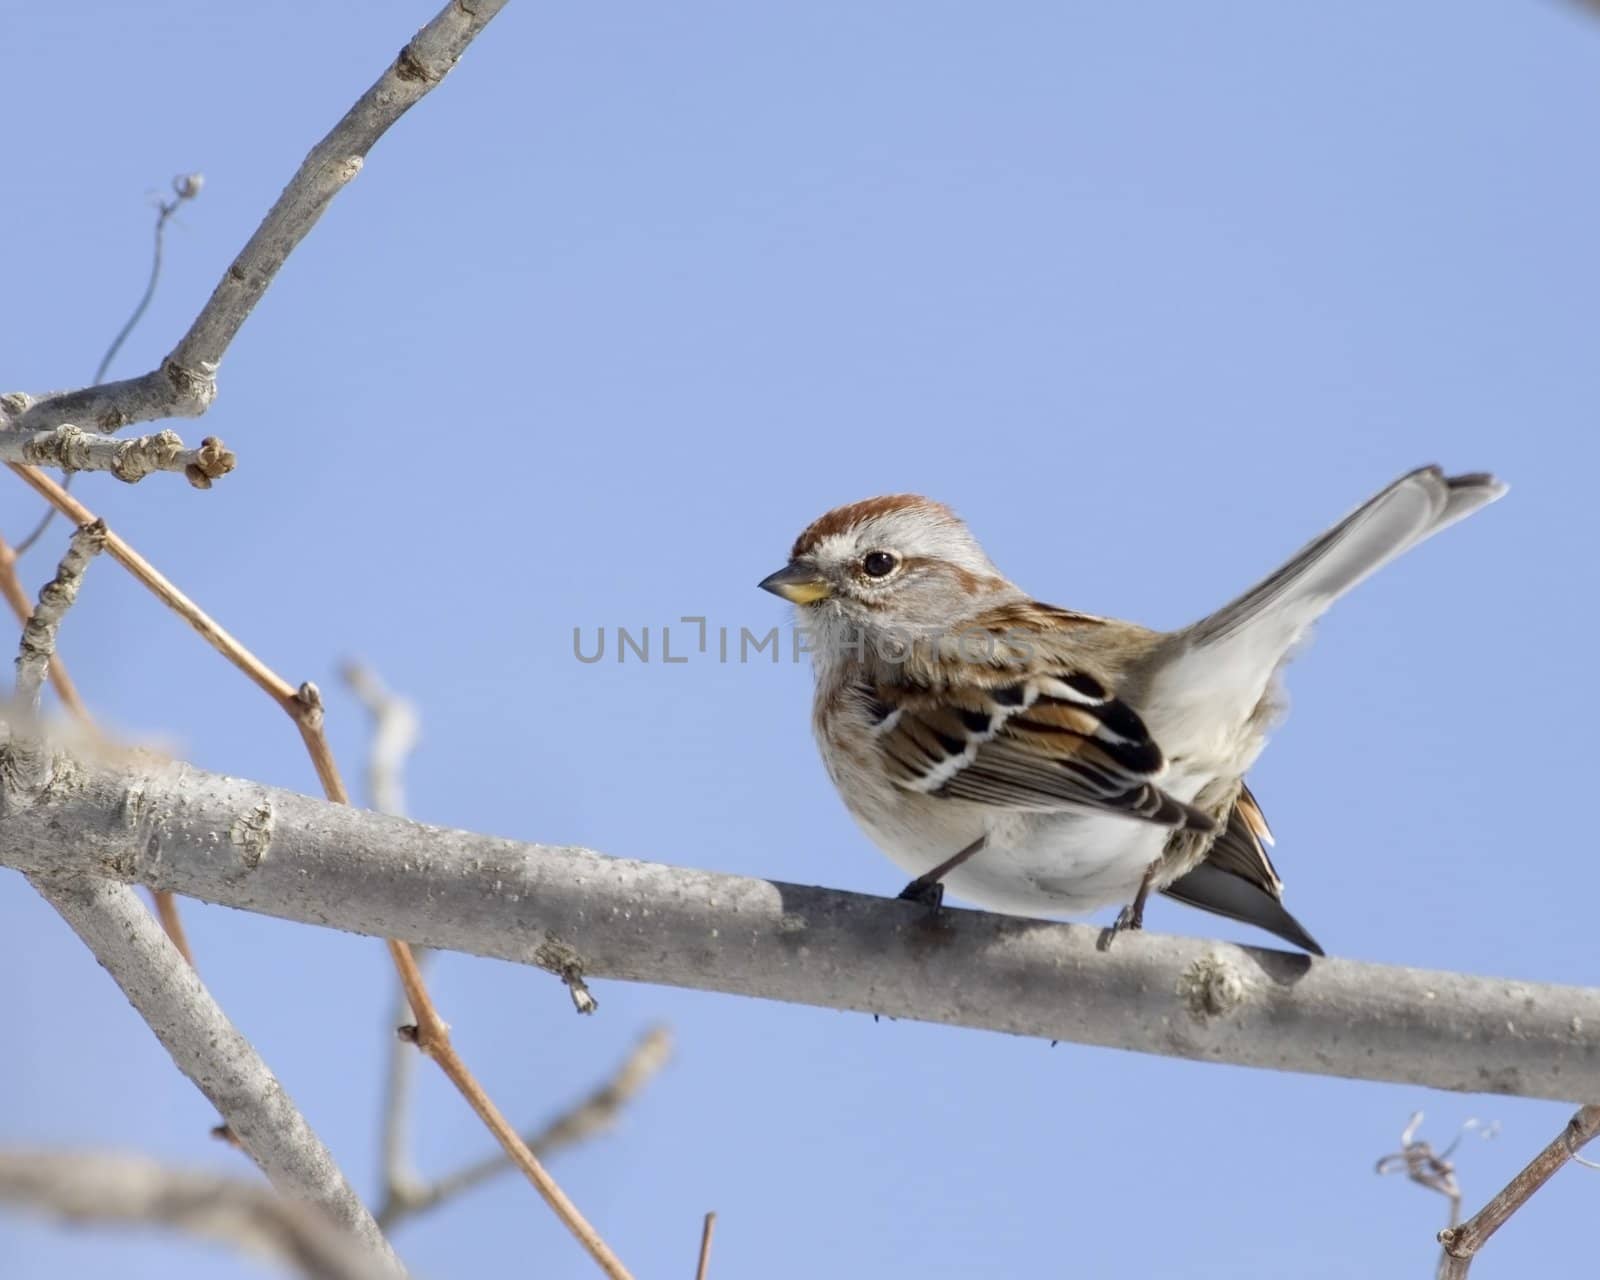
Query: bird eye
point(878, 564)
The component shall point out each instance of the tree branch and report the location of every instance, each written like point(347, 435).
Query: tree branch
point(58, 595)
point(242, 844)
point(184, 188)
point(707, 1228)
point(395, 730)
point(104, 1188)
point(22, 607)
point(185, 383)
point(304, 706)
point(1462, 1243)
point(130, 460)
point(594, 1114)
point(207, 1048)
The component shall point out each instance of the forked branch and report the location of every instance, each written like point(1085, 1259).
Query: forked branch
point(304, 706)
point(185, 383)
point(1461, 1243)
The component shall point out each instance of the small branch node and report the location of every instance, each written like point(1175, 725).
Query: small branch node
point(1212, 987)
point(213, 460)
point(563, 960)
point(310, 709)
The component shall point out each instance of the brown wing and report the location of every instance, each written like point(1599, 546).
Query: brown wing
point(1049, 740)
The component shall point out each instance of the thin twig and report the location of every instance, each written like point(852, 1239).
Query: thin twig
point(304, 706)
point(1462, 1243)
point(1429, 1168)
point(433, 1038)
point(593, 1114)
point(184, 187)
point(395, 730)
point(57, 596)
point(129, 460)
point(27, 764)
point(22, 606)
point(1432, 1169)
point(262, 676)
point(185, 383)
point(394, 733)
point(705, 1245)
point(103, 1188)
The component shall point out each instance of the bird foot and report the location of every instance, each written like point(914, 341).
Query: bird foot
point(1129, 919)
point(929, 893)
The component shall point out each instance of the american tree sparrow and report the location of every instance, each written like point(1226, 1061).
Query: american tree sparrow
point(1042, 761)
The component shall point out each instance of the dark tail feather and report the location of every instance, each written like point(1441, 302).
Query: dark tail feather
point(1212, 889)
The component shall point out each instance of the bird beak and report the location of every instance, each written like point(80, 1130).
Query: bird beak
point(797, 583)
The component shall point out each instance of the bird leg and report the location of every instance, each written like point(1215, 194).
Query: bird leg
point(1131, 917)
point(927, 888)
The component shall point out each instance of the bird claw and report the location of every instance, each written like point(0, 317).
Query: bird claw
point(929, 894)
point(1129, 919)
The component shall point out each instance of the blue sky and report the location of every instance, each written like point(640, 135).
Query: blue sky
point(1149, 293)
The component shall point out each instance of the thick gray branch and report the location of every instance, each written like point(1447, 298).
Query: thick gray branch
point(186, 382)
point(103, 1188)
point(132, 460)
point(245, 845)
point(125, 938)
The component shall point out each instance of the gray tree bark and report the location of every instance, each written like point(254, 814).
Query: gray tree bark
point(576, 912)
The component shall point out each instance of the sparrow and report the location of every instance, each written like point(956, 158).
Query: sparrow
point(1041, 761)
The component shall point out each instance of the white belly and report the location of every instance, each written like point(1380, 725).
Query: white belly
point(1044, 864)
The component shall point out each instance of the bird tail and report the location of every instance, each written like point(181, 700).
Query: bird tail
point(1212, 889)
point(1275, 612)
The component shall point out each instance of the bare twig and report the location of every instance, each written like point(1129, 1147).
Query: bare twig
point(184, 187)
point(58, 595)
point(22, 606)
point(594, 1114)
point(705, 1246)
point(1429, 1168)
point(264, 678)
point(1462, 1243)
point(206, 1046)
point(646, 922)
point(26, 764)
point(1432, 1169)
point(394, 734)
point(102, 1188)
point(130, 460)
point(185, 383)
point(433, 1038)
point(304, 707)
